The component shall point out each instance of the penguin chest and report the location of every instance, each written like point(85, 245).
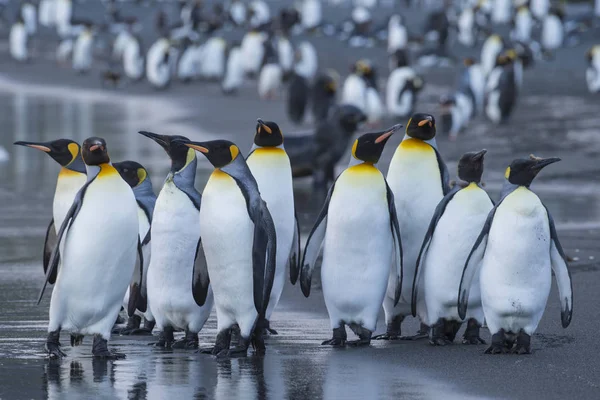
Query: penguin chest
point(354, 91)
point(227, 238)
point(358, 241)
point(67, 186)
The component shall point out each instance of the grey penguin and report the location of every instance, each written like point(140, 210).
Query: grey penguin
point(516, 253)
point(455, 225)
point(240, 246)
point(323, 95)
point(103, 257)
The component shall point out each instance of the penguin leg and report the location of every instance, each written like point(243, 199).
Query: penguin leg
point(523, 344)
point(498, 345)
point(100, 349)
point(189, 341)
point(364, 336)
point(269, 329)
point(437, 335)
point(222, 343)
point(451, 329)
point(241, 350)
point(422, 333)
point(471, 335)
point(258, 336)
point(393, 329)
point(339, 337)
point(76, 339)
point(165, 338)
point(133, 323)
point(53, 345)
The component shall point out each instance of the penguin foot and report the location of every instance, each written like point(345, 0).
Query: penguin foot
point(133, 323)
point(165, 338)
point(393, 331)
point(190, 341)
point(235, 352)
point(496, 349)
point(267, 328)
point(523, 344)
point(135, 332)
point(439, 341)
point(100, 350)
point(364, 336)
point(359, 342)
point(473, 340)
point(76, 340)
point(53, 345)
point(335, 342)
point(387, 336)
point(422, 333)
point(499, 344)
point(471, 335)
point(222, 343)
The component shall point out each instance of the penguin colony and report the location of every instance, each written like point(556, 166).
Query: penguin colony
point(407, 241)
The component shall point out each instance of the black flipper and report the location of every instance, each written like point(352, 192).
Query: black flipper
point(313, 245)
point(137, 298)
point(294, 260)
point(395, 227)
point(52, 269)
point(439, 211)
point(561, 273)
point(200, 278)
point(264, 252)
point(443, 172)
point(50, 242)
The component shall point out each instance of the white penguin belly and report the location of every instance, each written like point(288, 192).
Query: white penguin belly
point(18, 42)
point(269, 80)
point(67, 186)
point(234, 75)
point(175, 233)
point(358, 248)
point(272, 170)
point(227, 236)
point(515, 273)
point(450, 246)
point(82, 52)
point(98, 259)
point(354, 92)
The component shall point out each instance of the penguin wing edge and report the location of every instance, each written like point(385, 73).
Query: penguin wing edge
point(294, 259)
point(50, 242)
point(445, 176)
point(137, 298)
point(268, 242)
point(398, 255)
point(200, 278)
point(562, 274)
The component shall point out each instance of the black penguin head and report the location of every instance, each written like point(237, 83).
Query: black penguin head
point(132, 172)
point(267, 134)
point(63, 151)
point(522, 171)
point(94, 151)
point(328, 82)
point(421, 126)
point(180, 154)
point(349, 117)
point(400, 59)
point(368, 147)
point(468, 61)
point(220, 153)
point(470, 166)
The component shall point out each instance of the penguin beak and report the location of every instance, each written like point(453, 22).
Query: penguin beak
point(544, 162)
point(262, 125)
point(386, 135)
point(198, 146)
point(40, 146)
point(160, 139)
point(479, 156)
point(424, 122)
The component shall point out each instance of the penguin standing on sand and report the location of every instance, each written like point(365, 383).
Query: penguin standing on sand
point(467, 27)
point(285, 55)
point(323, 95)
point(71, 178)
point(240, 246)
point(213, 60)
point(83, 50)
point(107, 260)
point(501, 11)
point(515, 254)
point(540, 8)
point(158, 64)
point(354, 91)
point(17, 40)
point(307, 61)
point(253, 52)
point(491, 49)
point(397, 35)
point(374, 107)
point(234, 72)
point(472, 83)
point(403, 85)
point(359, 229)
point(175, 249)
point(137, 177)
point(29, 14)
point(522, 25)
point(299, 83)
point(418, 178)
point(501, 91)
point(592, 73)
point(270, 166)
point(553, 31)
point(310, 14)
point(47, 13)
point(271, 73)
point(457, 110)
point(455, 225)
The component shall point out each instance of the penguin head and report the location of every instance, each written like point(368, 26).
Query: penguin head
point(421, 126)
point(132, 172)
point(468, 61)
point(502, 60)
point(181, 156)
point(349, 117)
point(368, 147)
point(267, 134)
point(63, 151)
point(470, 166)
point(522, 171)
point(219, 153)
point(93, 151)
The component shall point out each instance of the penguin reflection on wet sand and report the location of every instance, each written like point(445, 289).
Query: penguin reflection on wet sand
point(240, 246)
point(457, 221)
point(137, 177)
point(104, 258)
point(419, 180)
point(71, 178)
point(175, 250)
point(359, 228)
point(270, 166)
point(516, 253)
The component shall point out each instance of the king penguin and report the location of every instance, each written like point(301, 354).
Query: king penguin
point(137, 177)
point(359, 228)
point(175, 249)
point(83, 50)
point(592, 73)
point(270, 166)
point(516, 253)
point(455, 225)
point(97, 264)
point(71, 178)
point(18, 38)
point(418, 178)
point(240, 246)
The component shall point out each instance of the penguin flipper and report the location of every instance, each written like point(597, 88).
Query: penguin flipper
point(264, 251)
point(313, 246)
point(137, 293)
point(439, 211)
point(50, 243)
point(52, 269)
point(200, 278)
point(472, 264)
point(443, 172)
point(294, 260)
point(395, 226)
point(562, 274)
